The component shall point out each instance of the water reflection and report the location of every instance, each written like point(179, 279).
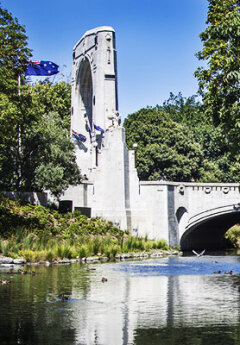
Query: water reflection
point(168, 301)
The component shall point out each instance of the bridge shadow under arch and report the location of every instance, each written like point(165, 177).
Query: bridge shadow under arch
point(209, 233)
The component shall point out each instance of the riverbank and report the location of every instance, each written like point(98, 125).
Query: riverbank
point(8, 262)
point(39, 234)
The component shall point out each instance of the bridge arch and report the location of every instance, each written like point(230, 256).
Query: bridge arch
point(206, 230)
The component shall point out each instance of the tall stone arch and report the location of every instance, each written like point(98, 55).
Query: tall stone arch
point(86, 91)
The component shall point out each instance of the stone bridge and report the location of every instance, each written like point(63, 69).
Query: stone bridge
point(194, 215)
point(190, 215)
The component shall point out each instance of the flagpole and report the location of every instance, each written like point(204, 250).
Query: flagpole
point(19, 139)
point(19, 84)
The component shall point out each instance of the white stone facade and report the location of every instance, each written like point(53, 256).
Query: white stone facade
point(94, 93)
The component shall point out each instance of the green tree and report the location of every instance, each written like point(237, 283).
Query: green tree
point(46, 159)
point(51, 163)
point(215, 146)
point(177, 139)
point(165, 147)
point(47, 97)
point(36, 152)
point(219, 81)
point(184, 110)
point(14, 52)
point(47, 153)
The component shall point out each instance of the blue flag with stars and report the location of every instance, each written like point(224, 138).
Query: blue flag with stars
point(41, 68)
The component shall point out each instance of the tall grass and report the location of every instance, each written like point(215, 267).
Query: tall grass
point(83, 251)
point(37, 234)
point(33, 248)
point(6, 247)
point(111, 251)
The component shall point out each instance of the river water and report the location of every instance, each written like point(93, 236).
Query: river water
point(167, 301)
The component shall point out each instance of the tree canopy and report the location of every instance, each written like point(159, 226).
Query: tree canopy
point(14, 52)
point(164, 146)
point(219, 81)
point(179, 141)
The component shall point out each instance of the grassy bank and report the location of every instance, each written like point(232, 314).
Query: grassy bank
point(37, 234)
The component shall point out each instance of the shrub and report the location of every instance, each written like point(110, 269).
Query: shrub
point(38, 233)
point(154, 245)
point(233, 235)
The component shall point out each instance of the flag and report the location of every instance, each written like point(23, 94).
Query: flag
point(98, 128)
point(45, 68)
point(79, 136)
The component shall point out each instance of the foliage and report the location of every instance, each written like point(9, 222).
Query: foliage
point(165, 147)
point(233, 234)
point(36, 152)
point(51, 98)
point(43, 234)
point(14, 52)
point(49, 160)
point(178, 140)
point(218, 164)
point(46, 157)
point(184, 110)
point(219, 80)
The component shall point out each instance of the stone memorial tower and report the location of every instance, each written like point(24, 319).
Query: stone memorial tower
point(106, 164)
point(94, 94)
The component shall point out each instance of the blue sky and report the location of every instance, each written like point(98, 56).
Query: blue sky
point(156, 41)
